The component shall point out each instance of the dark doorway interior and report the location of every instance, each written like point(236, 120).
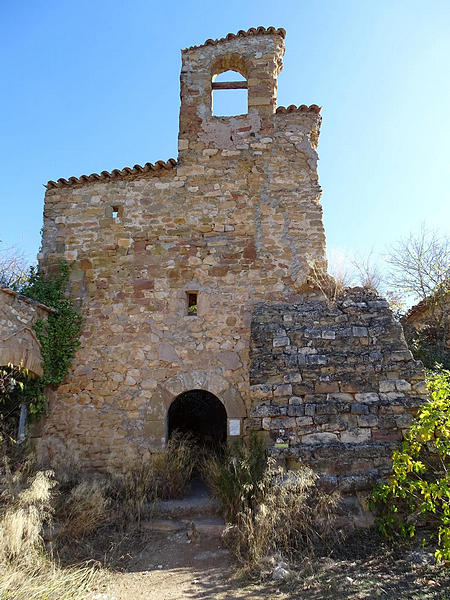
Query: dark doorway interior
point(201, 415)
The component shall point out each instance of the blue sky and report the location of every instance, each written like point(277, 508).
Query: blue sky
point(93, 85)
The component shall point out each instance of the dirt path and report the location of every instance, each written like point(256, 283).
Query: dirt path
point(173, 567)
point(170, 566)
point(179, 555)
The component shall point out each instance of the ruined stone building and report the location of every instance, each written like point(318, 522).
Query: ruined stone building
point(192, 278)
point(18, 342)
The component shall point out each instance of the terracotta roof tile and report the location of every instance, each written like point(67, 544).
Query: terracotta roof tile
point(11, 292)
point(115, 174)
point(420, 308)
point(231, 36)
point(303, 108)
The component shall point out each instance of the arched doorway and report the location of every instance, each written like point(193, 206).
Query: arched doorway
point(200, 414)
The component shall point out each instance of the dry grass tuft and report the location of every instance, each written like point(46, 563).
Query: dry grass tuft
point(84, 508)
point(23, 515)
point(160, 476)
point(290, 515)
point(173, 468)
point(332, 287)
point(130, 490)
point(45, 580)
point(25, 571)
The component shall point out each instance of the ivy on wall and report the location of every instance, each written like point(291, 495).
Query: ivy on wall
point(59, 336)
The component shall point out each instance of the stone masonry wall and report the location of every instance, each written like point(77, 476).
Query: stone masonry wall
point(236, 219)
point(336, 385)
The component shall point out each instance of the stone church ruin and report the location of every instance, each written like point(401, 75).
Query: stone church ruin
point(193, 280)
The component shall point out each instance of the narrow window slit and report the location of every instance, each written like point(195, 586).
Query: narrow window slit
point(116, 212)
point(192, 303)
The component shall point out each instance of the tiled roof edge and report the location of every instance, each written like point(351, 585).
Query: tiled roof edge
point(115, 174)
point(422, 306)
point(19, 296)
point(241, 33)
point(414, 310)
point(302, 108)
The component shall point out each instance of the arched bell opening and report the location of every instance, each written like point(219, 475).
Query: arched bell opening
point(200, 415)
point(229, 94)
point(229, 86)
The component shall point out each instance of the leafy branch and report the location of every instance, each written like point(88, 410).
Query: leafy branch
point(418, 490)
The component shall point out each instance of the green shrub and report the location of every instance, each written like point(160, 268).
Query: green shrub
point(268, 510)
point(418, 490)
point(12, 380)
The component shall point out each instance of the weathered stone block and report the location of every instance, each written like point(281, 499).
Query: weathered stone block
point(319, 438)
point(365, 420)
point(355, 436)
point(360, 331)
point(283, 389)
point(310, 409)
point(295, 410)
point(367, 397)
point(359, 408)
point(400, 355)
point(387, 385)
point(280, 341)
point(292, 378)
point(316, 359)
point(261, 391)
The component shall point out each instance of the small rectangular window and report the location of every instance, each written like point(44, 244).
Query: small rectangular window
point(115, 212)
point(192, 298)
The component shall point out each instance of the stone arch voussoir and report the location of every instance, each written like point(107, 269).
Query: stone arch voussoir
point(209, 380)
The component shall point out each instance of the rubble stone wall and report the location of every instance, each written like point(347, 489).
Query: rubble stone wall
point(335, 387)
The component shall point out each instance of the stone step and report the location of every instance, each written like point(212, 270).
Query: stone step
point(187, 507)
point(206, 526)
point(163, 525)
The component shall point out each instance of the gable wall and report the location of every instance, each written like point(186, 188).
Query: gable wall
point(238, 220)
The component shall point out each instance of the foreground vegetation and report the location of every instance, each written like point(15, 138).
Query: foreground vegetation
point(277, 522)
point(27, 571)
point(416, 499)
point(64, 506)
point(269, 511)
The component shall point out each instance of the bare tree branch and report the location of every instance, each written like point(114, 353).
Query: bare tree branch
point(421, 268)
point(13, 267)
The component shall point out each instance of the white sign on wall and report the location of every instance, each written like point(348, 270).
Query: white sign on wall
point(234, 426)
